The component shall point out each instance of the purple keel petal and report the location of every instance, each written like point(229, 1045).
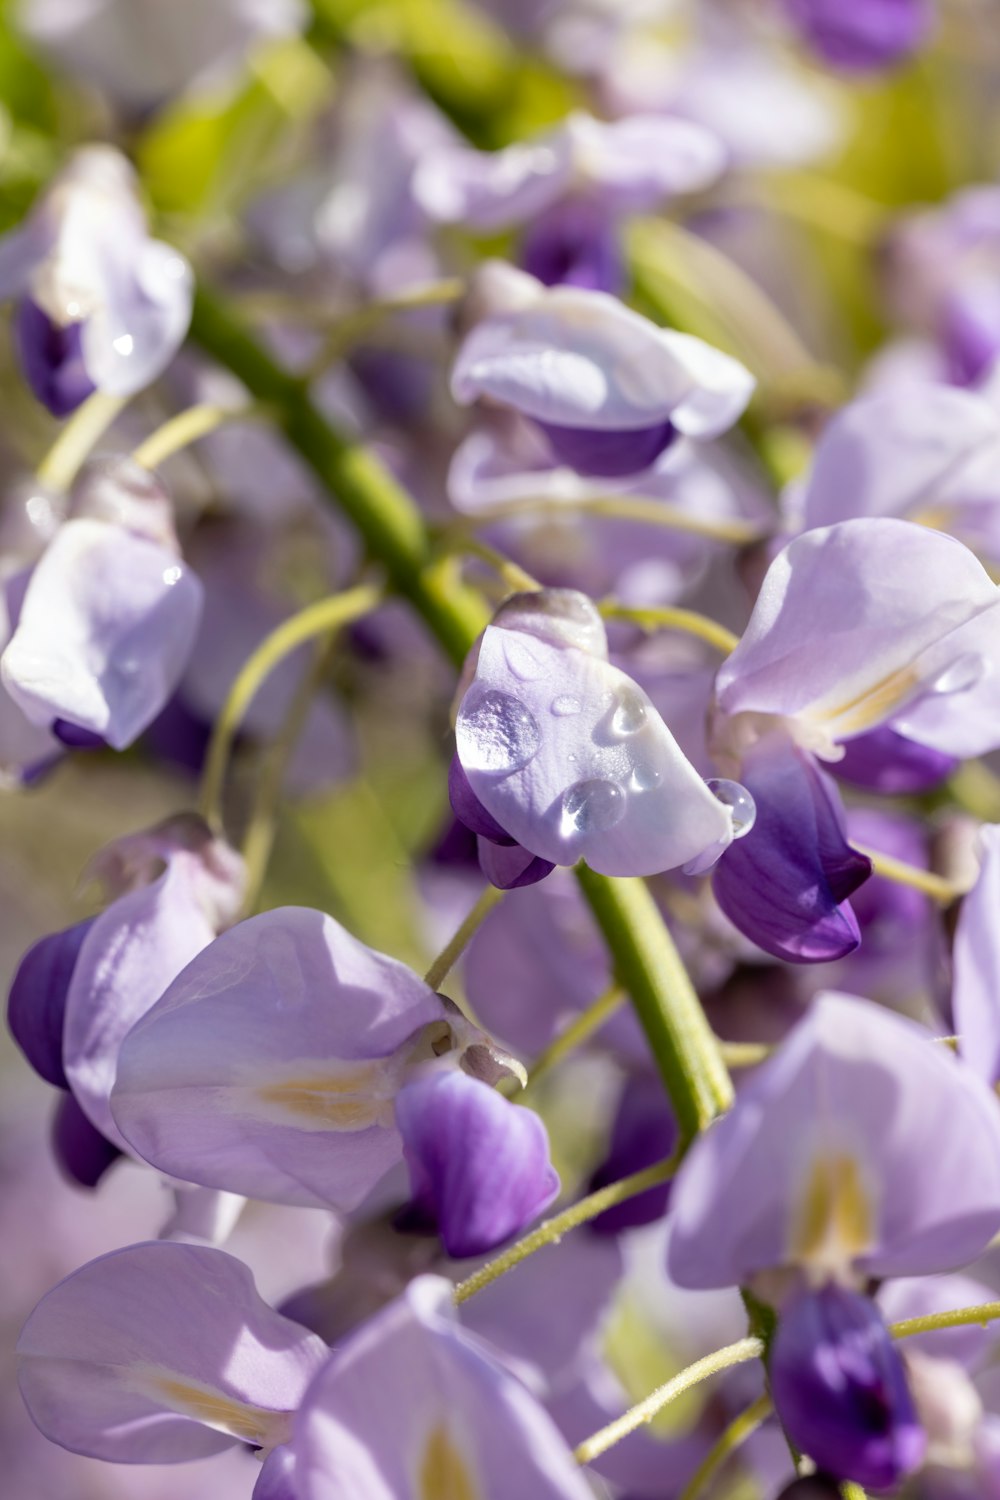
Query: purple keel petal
point(511, 868)
point(36, 1005)
point(609, 455)
point(886, 762)
point(479, 1165)
point(785, 884)
point(52, 359)
point(840, 1389)
point(862, 36)
point(576, 243)
point(80, 1150)
point(160, 1353)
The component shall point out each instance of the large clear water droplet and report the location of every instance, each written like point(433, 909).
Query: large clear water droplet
point(524, 660)
point(738, 800)
point(565, 706)
point(494, 732)
point(630, 712)
point(963, 674)
point(592, 807)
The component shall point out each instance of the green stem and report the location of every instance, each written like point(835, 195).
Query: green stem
point(386, 518)
point(186, 428)
point(449, 956)
point(579, 1030)
point(670, 617)
point(637, 1416)
point(960, 1317)
point(739, 1429)
point(649, 967)
point(552, 1231)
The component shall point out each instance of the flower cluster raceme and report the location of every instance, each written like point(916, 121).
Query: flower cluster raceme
point(575, 1001)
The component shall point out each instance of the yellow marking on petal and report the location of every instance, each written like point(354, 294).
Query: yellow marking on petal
point(444, 1474)
point(835, 1223)
point(348, 1100)
point(871, 707)
point(252, 1424)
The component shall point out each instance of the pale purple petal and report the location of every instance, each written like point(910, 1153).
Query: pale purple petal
point(861, 1143)
point(582, 359)
point(479, 1165)
point(976, 993)
point(271, 1064)
point(129, 956)
point(412, 1405)
point(106, 627)
point(570, 757)
point(160, 1353)
point(862, 36)
point(134, 335)
point(866, 622)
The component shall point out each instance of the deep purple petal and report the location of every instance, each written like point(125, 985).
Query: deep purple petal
point(644, 1132)
point(840, 1389)
point(83, 1153)
point(862, 35)
point(51, 358)
point(971, 328)
point(479, 1165)
point(576, 243)
point(785, 884)
point(510, 868)
point(76, 738)
point(885, 761)
point(276, 1480)
point(609, 454)
point(36, 1005)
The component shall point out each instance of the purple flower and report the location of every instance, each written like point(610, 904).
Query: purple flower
point(786, 883)
point(274, 1063)
point(608, 388)
point(479, 1165)
point(976, 991)
point(839, 1387)
point(567, 756)
point(862, 36)
point(101, 305)
point(859, 1149)
point(412, 1404)
point(161, 1353)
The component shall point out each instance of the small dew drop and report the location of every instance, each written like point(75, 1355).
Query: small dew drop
point(565, 706)
point(123, 344)
point(523, 661)
point(592, 807)
point(963, 674)
point(494, 732)
point(644, 777)
point(630, 712)
point(171, 576)
point(738, 800)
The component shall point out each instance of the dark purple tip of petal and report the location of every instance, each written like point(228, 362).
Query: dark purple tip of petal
point(644, 1132)
point(816, 1487)
point(52, 359)
point(479, 1165)
point(81, 1151)
point(785, 884)
point(36, 1005)
point(576, 243)
point(862, 36)
point(839, 1387)
point(970, 331)
point(457, 848)
point(35, 773)
point(886, 762)
point(510, 868)
point(76, 738)
point(276, 1480)
point(179, 736)
point(468, 809)
point(608, 454)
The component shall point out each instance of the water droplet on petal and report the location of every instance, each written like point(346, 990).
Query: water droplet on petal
point(494, 732)
point(738, 800)
point(523, 660)
point(171, 576)
point(630, 712)
point(644, 777)
point(592, 807)
point(963, 674)
point(565, 706)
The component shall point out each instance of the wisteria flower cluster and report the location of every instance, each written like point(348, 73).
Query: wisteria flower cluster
point(499, 598)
